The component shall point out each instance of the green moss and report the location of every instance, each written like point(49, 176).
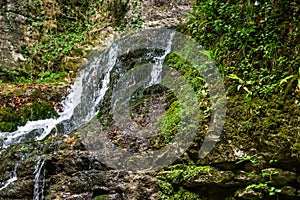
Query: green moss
point(191, 74)
point(181, 194)
point(170, 122)
point(10, 119)
point(259, 75)
point(101, 197)
point(8, 114)
point(173, 176)
point(166, 187)
point(296, 149)
point(243, 41)
point(192, 172)
point(7, 126)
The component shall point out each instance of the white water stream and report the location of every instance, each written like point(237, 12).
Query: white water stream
point(85, 95)
point(12, 179)
point(75, 110)
point(38, 191)
point(158, 65)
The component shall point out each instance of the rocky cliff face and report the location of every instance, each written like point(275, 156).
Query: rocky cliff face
point(241, 166)
point(12, 17)
point(61, 168)
point(161, 13)
point(256, 158)
point(17, 33)
point(65, 170)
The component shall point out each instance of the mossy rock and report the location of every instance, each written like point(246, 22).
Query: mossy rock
point(101, 197)
point(10, 119)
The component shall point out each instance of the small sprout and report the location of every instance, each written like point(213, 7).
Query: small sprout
point(23, 149)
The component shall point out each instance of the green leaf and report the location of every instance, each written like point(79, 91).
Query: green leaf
point(285, 79)
point(235, 77)
point(247, 90)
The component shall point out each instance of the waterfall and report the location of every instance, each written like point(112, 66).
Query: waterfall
point(38, 191)
point(157, 67)
point(12, 179)
point(90, 87)
point(43, 127)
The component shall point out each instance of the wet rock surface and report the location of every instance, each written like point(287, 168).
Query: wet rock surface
point(259, 160)
point(234, 168)
point(12, 17)
point(257, 156)
point(164, 13)
point(70, 172)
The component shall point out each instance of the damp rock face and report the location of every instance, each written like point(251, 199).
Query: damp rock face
point(61, 167)
point(164, 13)
point(254, 159)
point(68, 172)
point(11, 37)
point(15, 17)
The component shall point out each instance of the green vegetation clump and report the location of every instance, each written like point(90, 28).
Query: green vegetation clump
point(101, 197)
point(172, 178)
point(255, 44)
point(181, 194)
point(10, 119)
point(59, 34)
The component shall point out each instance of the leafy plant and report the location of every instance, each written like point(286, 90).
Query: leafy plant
point(176, 175)
point(23, 149)
point(272, 190)
point(253, 159)
point(258, 186)
point(241, 38)
point(266, 185)
point(242, 84)
point(59, 35)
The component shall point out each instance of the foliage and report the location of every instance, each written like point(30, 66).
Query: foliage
point(60, 34)
point(266, 184)
point(170, 122)
point(181, 194)
point(253, 159)
point(24, 76)
point(10, 119)
point(256, 43)
point(57, 31)
point(173, 176)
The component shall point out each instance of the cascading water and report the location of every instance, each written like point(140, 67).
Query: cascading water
point(38, 191)
point(12, 179)
point(157, 67)
point(44, 127)
point(78, 107)
point(89, 89)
